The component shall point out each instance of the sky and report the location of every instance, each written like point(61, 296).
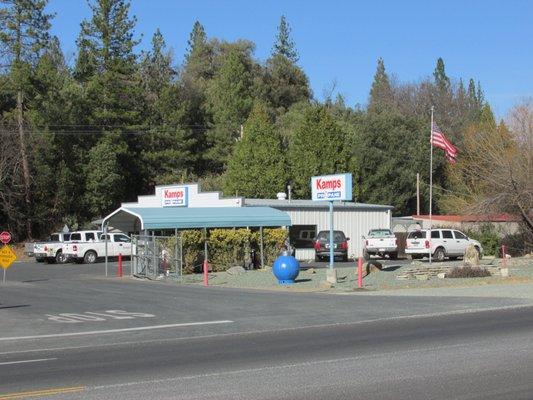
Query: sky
point(339, 42)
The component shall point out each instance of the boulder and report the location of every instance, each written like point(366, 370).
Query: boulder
point(325, 285)
point(238, 270)
point(471, 257)
point(373, 266)
point(311, 271)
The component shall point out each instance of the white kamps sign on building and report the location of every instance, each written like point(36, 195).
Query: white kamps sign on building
point(176, 196)
point(332, 187)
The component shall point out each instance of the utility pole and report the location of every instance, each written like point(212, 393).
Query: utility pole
point(417, 194)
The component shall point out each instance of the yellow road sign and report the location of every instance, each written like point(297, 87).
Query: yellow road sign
point(7, 256)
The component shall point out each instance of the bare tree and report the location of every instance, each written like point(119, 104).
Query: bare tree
point(495, 169)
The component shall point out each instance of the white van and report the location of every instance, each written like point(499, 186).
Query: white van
point(442, 243)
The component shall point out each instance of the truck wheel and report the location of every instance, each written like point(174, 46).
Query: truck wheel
point(50, 260)
point(90, 257)
point(366, 256)
point(439, 254)
point(393, 256)
point(60, 258)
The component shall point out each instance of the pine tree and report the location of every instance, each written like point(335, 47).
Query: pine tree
point(381, 94)
point(257, 165)
point(156, 74)
point(230, 100)
point(284, 45)
point(24, 33)
point(318, 147)
point(441, 79)
point(108, 41)
point(199, 55)
point(105, 178)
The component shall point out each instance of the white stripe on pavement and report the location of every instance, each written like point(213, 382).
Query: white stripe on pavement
point(27, 361)
point(140, 328)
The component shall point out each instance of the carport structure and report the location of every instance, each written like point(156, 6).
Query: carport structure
point(147, 220)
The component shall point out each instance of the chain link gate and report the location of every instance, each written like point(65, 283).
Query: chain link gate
point(154, 256)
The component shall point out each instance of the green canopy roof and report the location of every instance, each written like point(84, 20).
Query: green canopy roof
point(129, 219)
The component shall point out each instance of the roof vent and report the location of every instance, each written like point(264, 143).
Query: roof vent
point(281, 196)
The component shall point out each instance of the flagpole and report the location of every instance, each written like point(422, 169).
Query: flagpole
point(430, 180)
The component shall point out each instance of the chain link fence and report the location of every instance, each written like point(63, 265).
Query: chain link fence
point(154, 256)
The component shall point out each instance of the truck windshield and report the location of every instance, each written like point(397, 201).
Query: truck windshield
point(337, 236)
point(379, 232)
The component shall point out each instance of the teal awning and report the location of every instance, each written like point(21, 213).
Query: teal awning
point(134, 219)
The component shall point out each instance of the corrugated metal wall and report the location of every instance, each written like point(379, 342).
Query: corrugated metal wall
point(354, 224)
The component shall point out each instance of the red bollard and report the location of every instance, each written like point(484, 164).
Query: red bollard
point(206, 270)
point(504, 253)
point(119, 272)
point(360, 272)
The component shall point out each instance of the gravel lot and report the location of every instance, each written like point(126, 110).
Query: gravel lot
point(312, 279)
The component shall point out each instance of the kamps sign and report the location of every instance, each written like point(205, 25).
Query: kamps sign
point(332, 187)
point(175, 196)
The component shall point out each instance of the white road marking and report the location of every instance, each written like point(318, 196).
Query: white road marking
point(140, 328)
point(27, 361)
point(271, 331)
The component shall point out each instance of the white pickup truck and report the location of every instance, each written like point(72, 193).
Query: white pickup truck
point(380, 242)
point(51, 251)
point(88, 246)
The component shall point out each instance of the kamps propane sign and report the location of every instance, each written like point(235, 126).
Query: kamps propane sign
point(175, 196)
point(332, 187)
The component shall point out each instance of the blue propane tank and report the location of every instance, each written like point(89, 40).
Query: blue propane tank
point(286, 268)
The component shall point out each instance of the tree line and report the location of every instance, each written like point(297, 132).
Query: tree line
point(78, 138)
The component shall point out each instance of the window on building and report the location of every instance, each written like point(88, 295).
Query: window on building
point(302, 236)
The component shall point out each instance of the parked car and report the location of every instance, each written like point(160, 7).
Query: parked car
point(380, 242)
point(340, 245)
point(87, 246)
point(442, 243)
point(51, 251)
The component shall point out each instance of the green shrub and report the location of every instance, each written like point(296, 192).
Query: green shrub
point(273, 243)
point(228, 247)
point(468, 272)
point(489, 238)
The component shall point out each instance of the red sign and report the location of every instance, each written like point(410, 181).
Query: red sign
point(5, 237)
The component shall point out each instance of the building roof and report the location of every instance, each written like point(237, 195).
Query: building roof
point(292, 204)
point(471, 218)
point(131, 219)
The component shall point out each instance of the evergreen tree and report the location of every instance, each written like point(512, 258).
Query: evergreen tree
point(108, 43)
point(441, 79)
point(257, 165)
point(156, 73)
point(317, 147)
point(105, 177)
point(199, 56)
point(284, 45)
point(381, 94)
point(230, 100)
point(391, 148)
point(285, 83)
point(24, 33)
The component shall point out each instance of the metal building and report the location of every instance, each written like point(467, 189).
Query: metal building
point(185, 206)
point(309, 217)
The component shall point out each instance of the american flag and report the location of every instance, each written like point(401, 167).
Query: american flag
point(439, 140)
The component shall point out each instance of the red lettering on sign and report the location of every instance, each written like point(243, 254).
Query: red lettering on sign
point(331, 184)
point(173, 194)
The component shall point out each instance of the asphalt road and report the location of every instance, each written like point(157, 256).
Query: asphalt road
point(69, 332)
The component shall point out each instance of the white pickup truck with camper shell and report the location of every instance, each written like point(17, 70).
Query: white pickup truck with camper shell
point(88, 246)
point(380, 242)
point(51, 251)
